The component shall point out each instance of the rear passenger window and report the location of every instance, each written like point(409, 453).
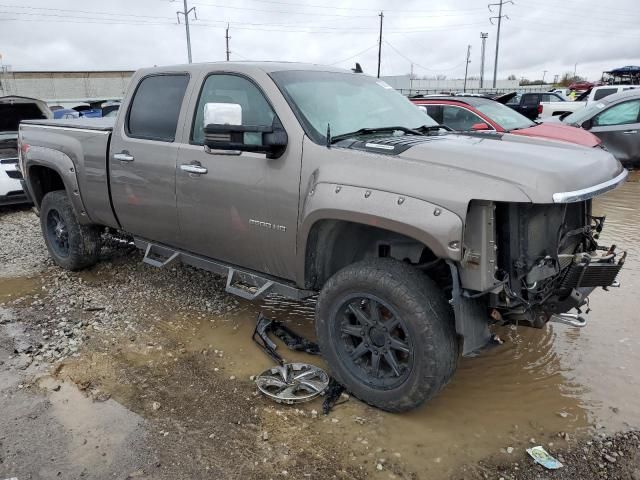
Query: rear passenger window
point(155, 107)
point(604, 92)
point(531, 99)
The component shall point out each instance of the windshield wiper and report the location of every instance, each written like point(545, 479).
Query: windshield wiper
point(365, 131)
point(434, 128)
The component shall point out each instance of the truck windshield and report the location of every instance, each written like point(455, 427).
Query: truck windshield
point(347, 102)
point(504, 116)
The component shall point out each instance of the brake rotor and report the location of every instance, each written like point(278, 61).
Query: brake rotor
point(293, 382)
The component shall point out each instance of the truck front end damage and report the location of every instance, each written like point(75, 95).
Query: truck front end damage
point(527, 264)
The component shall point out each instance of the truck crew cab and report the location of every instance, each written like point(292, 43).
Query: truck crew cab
point(303, 179)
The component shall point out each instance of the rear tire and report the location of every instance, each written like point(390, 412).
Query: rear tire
point(387, 332)
point(71, 245)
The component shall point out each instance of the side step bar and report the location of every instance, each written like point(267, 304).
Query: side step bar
point(160, 256)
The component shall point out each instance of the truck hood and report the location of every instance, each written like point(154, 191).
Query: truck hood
point(538, 168)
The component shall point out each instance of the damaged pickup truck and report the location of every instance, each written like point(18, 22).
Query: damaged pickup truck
point(297, 179)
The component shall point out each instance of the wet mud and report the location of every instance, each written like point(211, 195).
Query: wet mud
point(174, 353)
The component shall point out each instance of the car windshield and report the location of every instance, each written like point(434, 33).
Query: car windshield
point(347, 102)
point(504, 116)
point(576, 118)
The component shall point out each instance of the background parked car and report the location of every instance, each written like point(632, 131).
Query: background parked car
point(552, 109)
point(14, 109)
point(616, 121)
point(528, 103)
point(481, 114)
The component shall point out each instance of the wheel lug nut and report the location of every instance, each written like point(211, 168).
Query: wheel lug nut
point(366, 345)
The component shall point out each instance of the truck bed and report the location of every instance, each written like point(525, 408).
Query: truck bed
point(101, 124)
point(78, 149)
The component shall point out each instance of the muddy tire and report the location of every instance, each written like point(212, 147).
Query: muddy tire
point(71, 245)
point(387, 332)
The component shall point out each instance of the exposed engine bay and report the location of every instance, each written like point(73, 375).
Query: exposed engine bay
point(535, 261)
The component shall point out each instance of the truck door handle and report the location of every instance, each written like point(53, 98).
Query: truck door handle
point(193, 168)
point(123, 157)
point(630, 132)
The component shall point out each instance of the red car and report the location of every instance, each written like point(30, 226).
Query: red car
point(478, 114)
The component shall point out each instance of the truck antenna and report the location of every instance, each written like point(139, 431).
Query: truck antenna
point(328, 135)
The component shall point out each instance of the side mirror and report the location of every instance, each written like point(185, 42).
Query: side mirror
point(223, 130)
point(480, 126)
point(587, 124)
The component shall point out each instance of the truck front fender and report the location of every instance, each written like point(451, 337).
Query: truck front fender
point(61, 164)
point(437, 228)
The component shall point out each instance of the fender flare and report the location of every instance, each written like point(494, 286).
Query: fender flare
point(62, 164)
point(428, 223)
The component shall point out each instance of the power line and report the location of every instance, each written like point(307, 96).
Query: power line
point(83, 11)
point(355, 55)
point(499, 18)
point(380, 43)
point(466, 68)
point(483, 36)
point(185, 14)
point(336, 7)
point(417, 64)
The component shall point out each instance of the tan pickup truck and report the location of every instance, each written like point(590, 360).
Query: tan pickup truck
point(302, 180)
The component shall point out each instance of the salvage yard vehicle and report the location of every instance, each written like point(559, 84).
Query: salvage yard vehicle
point(616, 121)
point(296, 179)
point(483, 115)
point(555, 109)
point(13, 109)
point(528, 103)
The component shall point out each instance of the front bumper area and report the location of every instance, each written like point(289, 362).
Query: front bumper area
point(589, 271)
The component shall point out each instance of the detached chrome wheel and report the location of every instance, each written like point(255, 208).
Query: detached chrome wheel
point(293, 382)
point(374, 340)
point(387, 332)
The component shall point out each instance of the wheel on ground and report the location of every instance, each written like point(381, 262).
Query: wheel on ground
point(387, 332)
point(71, 245)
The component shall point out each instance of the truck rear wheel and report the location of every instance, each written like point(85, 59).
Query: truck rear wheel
point(71, 245)
point(387, 332)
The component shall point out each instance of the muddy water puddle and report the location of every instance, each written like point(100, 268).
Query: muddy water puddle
point(536, 385)
point(17, 287)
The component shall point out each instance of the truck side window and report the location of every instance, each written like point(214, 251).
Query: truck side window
point(155, 107)
point(435, 112)
point(459, 118)
point(223, 88)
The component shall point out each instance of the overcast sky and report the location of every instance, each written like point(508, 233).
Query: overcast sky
point(539, 35)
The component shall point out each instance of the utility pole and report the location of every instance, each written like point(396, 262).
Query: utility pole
point(380, 42)
point(466, 68)
point(227, 37)
point(483, 36)
point(499, 18)
point(555, 79)
point(544, 74)
point(575, 66)
point(185, 13)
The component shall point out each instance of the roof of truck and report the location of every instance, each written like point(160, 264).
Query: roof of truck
point(264, 66)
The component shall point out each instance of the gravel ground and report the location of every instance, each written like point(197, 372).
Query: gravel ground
point(97, 382)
